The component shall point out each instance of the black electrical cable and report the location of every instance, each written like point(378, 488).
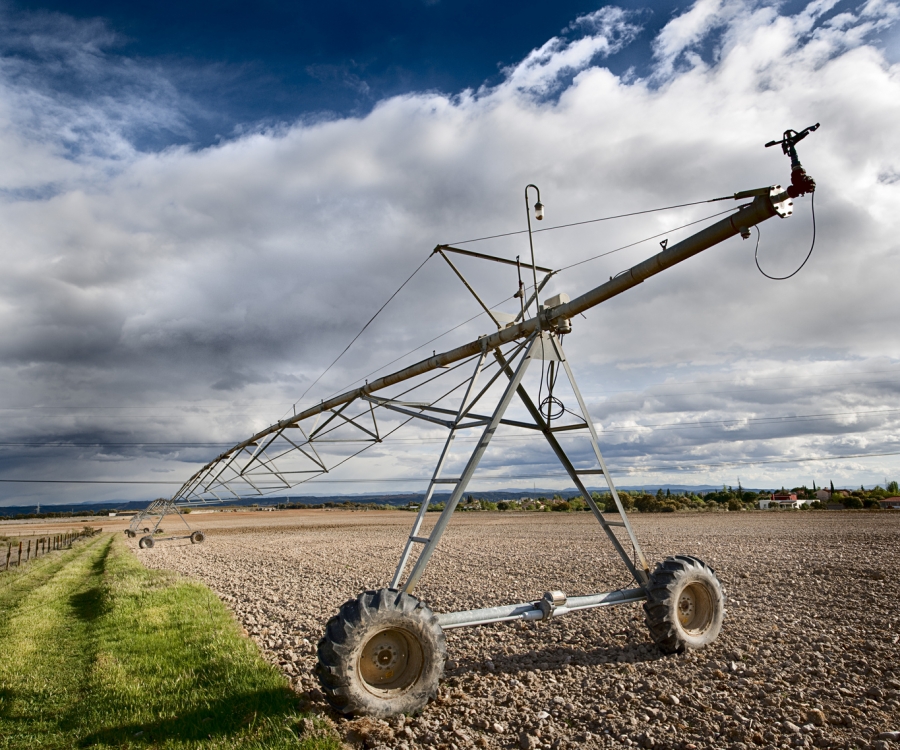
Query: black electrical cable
point(812, 206)
point(366, 480)
point(541, 389)
point(551, 407)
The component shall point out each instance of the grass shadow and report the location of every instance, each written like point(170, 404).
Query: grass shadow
point(6, 700)
point(88, 605)
point(217, 720)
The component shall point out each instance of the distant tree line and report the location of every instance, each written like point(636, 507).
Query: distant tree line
point(666, 501)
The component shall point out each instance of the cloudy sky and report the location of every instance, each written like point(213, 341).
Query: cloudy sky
point(201, 206)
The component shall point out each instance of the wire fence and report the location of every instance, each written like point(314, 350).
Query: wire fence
point(42, 545)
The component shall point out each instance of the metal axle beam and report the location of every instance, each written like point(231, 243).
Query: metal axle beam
point(554, 604)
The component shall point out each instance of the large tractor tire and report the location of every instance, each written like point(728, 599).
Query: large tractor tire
point(382, 655)
point(197, 537)
point(145, 542)
point(686, 604)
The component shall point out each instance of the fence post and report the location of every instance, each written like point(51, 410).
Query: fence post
point(19, 561)
point(29, 551)
point(8, 554)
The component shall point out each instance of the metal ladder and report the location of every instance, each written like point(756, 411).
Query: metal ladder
point(545, 346)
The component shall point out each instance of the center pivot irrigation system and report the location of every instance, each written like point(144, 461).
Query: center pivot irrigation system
point(384, 652)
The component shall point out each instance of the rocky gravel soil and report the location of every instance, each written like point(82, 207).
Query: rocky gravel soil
point(809, 655)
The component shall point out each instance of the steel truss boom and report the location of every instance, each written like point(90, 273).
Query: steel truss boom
point(250, 460)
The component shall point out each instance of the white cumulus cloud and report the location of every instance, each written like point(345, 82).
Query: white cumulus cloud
point(181, 296)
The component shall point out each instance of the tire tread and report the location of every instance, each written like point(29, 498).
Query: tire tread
point(350, 628)
point(668, 578)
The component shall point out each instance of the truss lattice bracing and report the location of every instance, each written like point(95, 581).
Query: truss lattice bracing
point(544, 346)
point(151, 517)
point(321, 438)
point(294, 454)
point(291, 451)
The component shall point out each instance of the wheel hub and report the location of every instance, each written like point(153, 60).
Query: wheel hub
point(390, 661)
point(685, 607)
point(695, 608)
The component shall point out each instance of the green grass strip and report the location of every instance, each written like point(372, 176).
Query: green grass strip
point(98, 651)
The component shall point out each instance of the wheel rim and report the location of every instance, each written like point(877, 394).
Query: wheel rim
point(391, 662)
point(695, 608)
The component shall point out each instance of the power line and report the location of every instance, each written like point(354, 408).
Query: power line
point(805, 387)
point(662, 384)
point(82, 481)
point(102, 444)
point(760, 462)
point(662, 425)
point(758, 377)
point(636, 428)
point(621, 468)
